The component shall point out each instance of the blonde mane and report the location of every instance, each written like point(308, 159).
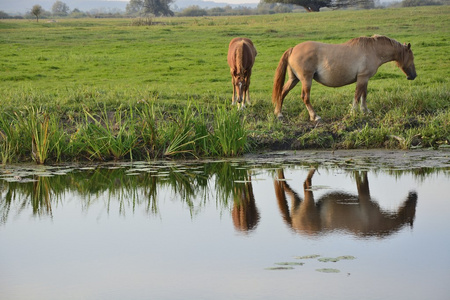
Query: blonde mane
point(375, 39)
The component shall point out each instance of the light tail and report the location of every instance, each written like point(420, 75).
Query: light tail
point(280, 75)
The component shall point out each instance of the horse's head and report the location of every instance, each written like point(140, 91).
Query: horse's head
point(240, 84)
point(406, 62)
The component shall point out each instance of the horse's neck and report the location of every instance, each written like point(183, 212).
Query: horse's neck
point(387, 53)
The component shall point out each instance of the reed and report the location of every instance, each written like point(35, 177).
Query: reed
point(229, 132)
point(104, 136)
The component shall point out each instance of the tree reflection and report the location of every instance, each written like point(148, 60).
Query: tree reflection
point(357, 213)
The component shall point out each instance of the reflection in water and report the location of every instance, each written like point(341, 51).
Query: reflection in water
point(133, 185)
point(137, 185)
point(130, 230)
point(357, 214)
point(245, 213)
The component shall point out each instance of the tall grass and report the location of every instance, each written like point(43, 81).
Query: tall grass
point(229, 132)
point(144, 133)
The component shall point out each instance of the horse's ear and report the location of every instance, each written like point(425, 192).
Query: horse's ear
point(409, 46)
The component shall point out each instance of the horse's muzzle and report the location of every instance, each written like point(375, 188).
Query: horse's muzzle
point(411, 77)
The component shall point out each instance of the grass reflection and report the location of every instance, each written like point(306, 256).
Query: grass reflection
point(141, 185)
point(128, 186)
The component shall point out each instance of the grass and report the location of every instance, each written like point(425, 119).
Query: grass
point(111, 90)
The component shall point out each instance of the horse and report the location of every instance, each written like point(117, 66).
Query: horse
point(358, 214)
point(241, 57)
point(336, 65)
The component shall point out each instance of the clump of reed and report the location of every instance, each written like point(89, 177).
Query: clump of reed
point(145, 132)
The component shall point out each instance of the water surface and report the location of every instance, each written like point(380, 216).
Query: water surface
point(317, 226)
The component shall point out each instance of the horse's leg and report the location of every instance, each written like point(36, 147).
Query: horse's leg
point(361, 94)
point(247, 90)
point(306, 92)
point(289, 85)
point(233, 101)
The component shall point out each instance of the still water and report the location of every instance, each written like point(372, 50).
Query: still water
point(298, 226)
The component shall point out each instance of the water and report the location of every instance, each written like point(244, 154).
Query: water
point(216, 230)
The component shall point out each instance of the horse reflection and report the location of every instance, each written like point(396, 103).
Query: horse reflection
point(357, 214)
point(244, 213)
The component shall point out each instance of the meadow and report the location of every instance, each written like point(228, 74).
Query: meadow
point(103, 89)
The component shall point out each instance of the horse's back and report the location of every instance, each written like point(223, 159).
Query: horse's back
point(248, 51)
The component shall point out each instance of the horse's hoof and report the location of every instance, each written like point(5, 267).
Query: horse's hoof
point(317, 119)
point(280, 117)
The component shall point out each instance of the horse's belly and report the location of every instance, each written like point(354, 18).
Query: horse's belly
point(335, 78)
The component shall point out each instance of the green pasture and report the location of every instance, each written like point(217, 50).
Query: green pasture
point(85, 72)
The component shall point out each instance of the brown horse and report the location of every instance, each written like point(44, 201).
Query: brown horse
point(241, 57)
point(337, 65)
point(357, 214)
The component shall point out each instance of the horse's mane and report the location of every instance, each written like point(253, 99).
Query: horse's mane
point(370, 41)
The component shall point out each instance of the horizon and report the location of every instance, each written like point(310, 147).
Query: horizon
point(24, 6)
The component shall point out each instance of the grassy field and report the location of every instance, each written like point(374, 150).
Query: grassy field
point(103, 89)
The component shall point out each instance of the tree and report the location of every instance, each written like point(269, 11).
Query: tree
point(158, 7)
point(60, 8)
point(135, 7)
point(316, 5)
point(193, 11)
point(37, 11)
point(4, 15)
point(155, 7)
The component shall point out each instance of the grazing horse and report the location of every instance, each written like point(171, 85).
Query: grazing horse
point(337, 65)
point(357, 214)
point(241, 57)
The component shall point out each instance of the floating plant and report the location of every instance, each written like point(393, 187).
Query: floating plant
point(279, 268)
point(328, 270)
point(307, 256)
point(290, 264)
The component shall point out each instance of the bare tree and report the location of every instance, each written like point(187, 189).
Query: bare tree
point(37, 11)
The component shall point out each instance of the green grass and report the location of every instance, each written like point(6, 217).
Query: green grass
point(91, 76)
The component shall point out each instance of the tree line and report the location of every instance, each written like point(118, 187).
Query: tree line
point(156, 8)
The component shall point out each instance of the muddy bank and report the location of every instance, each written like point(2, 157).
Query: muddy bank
point(376, 158)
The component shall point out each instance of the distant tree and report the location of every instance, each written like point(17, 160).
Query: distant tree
point(158, 7)
point(60, 8)
point(135, 7)
point(316, 5)
point(4, 15)
point(76, 13)
point(155, 7)
point(37, 11)
point(193, 11)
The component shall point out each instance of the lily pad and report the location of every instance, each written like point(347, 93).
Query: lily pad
point(279, 268)
point(290, 264)
point(346, 257)
point(307, 256)
point(328, 259)
point(328, 270)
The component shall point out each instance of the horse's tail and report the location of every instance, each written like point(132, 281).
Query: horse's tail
point(280, 75)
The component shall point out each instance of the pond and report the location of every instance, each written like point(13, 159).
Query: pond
point(306, 225)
